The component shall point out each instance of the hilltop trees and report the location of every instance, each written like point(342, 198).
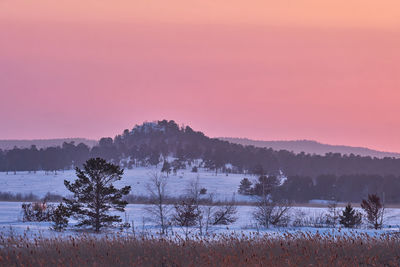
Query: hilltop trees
point(145, 144)
point(345, 177)
point(95, 194)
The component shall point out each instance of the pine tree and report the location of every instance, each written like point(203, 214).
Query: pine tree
point(60, 217)
point(166, 167)
point(350, 217)
point(186, 213)
point(245, 187)
point(95, 195)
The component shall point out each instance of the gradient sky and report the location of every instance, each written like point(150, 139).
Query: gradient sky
point(274, 70)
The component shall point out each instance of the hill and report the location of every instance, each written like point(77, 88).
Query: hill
point(311, 147)
point(154, 143)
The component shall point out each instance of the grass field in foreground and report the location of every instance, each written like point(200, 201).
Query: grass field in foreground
point(223, 250)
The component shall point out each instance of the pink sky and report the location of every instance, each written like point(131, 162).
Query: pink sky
point(273, 70)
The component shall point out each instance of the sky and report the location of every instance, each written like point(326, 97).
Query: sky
point(267, 70)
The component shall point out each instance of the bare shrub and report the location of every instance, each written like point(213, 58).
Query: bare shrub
point(298, 220)
point(332, 217)
point(37, 212)
point(268, 212)
point(225, 215)
point(301, 219)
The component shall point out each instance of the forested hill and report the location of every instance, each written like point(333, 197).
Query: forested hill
point(151, 143)
point(43, 143)
point(311, 147)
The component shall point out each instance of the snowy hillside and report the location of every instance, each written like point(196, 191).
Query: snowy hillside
point(222, 186)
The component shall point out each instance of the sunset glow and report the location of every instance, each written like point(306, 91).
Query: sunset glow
point(272, 70)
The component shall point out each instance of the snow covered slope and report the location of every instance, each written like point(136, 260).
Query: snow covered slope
point(222, 186)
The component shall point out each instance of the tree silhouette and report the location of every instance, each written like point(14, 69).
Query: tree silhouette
point(374, 209)
point(350, 217)
point(95, 194)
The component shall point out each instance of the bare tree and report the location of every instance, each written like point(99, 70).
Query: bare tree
point(268, 212)
point(225, 214)
point(159, 210)
point(375, 210)
point(193, 189)
point(207, 213)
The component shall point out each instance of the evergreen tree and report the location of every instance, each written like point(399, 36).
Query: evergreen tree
point(95, 195)
point(245, 187)
point(186, 214)
point(350, 217)
point(266, 185)
point(154, 158)
point(195, 169)
point(60, 217)
point(166, 167)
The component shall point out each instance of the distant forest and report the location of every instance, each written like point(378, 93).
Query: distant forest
point(344, 188)
point(153, 142)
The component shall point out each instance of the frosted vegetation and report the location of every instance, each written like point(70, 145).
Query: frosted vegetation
point(138, 218)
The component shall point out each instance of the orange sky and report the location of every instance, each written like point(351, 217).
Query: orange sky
point(304, 69)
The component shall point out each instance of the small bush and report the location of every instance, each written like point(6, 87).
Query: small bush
point(37, 212)
point(350, 218)
point(225, 215)
point(245, 187)
point(203, 191)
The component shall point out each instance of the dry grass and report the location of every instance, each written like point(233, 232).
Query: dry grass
point(221, 250)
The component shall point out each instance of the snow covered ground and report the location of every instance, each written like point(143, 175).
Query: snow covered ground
point(11, 223)
point(222, 186)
